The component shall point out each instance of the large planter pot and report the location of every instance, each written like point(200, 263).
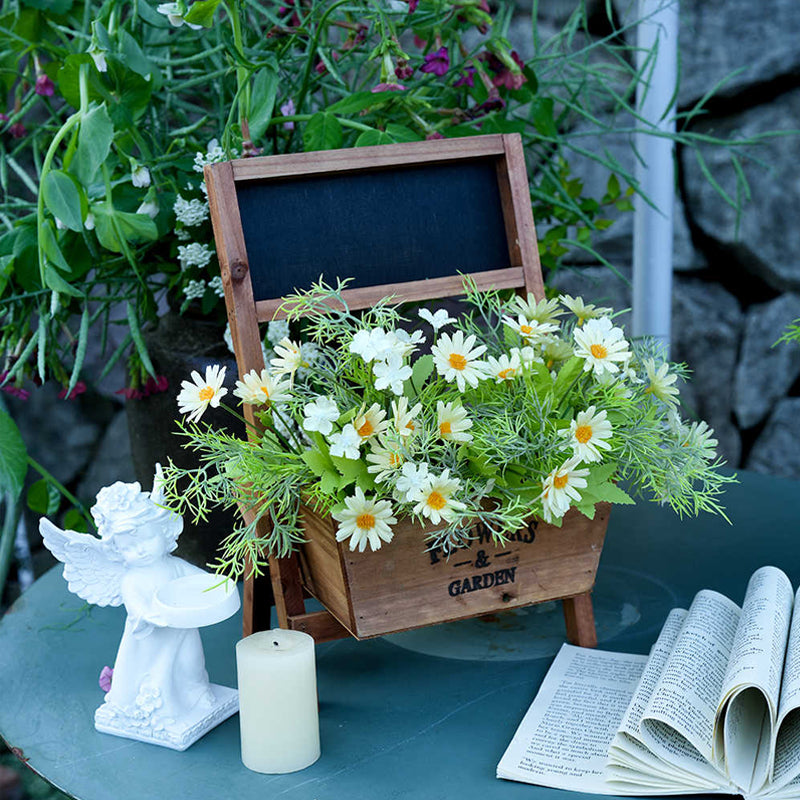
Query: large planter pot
point(403, 586)
point(177, 346)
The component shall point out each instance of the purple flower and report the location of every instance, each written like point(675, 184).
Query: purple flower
point(14, 391)
point(44, 86)
point(388, 87)
point(287, 110)
point(80, 388)
point(437, 63)
point(412, 6)
point(492, 103)
point(435, 135)
point(106, 674)
point(404, 70)
point(467, 77)
point(18, 130)
point(156, 385)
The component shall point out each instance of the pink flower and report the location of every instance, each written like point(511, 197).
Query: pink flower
point(14, 391)
point(18, 130)
point(412, 6)
point(435, 135)
point(44, 86)
point(436, 63)
point(129, 393)
point(506, 76)
point(156, 385)
point(467, 77)
point(80, 388)
point(388, 87)
point(403, 70)
point(288, 110)
point(106, 674)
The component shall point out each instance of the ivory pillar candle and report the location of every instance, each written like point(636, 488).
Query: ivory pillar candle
point(278, 701)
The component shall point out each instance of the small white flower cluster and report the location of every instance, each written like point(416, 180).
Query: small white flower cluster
point(213, 155)
point(194, 255)
point(215, 284)
point(190, 212)
point(194, 290)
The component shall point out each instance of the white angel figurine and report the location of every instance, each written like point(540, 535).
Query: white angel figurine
point(160, 691)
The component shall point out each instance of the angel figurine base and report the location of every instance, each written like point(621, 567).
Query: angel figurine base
point(160, 692)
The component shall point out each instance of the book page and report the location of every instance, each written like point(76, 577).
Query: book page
point(750, 692)
point(678, 723)
point(564, 737)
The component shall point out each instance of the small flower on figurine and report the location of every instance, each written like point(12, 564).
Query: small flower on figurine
point(106, 675)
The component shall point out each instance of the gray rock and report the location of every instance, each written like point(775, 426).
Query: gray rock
point(717, 38)
point(777, 450)
point(112, 461)
point(706, 330)
point(765, 373)
point(768, 239)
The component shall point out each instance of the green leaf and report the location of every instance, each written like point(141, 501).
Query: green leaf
point(94, 143)
point(421, 371)
point(400, 133)
point(329, 482)
point(262, 101)
point(133, 227)
point(613, 187)
point(543, 120)
point(567, 375)
point(54, 281)
point(373, 137)
point(51, 248)
point(74, 520)
point(358, 101)
point(133, 57)
point(63, 199)
point(43, 498)
point(202, 13)
point(13, 457)
point(353, 471)
point(57, 7)
point(318, 462)
point(323, 132)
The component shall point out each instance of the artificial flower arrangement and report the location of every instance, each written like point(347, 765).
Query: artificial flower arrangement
point(518, 409)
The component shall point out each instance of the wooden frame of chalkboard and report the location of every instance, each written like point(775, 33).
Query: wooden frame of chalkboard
point(407, 220)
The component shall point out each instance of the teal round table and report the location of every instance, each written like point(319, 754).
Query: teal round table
point(424, 716)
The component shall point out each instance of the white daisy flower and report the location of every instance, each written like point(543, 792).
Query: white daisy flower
point(434, 500)
point(277, 330)
point(405, 342)
point(371, 422)
point(560, 487)
point(190, 212)
point(588, 432)
point(541, 311)
point(391, 373)
point(456, 359)
point(260, 388)
point(365, 521)
point(346, 443)
point(384, 461)
point(194, 255)
point(601, 344)
point(413, 478)
point(404, 419)
point(505, 368)
point(438, 319)
point(320, 415)
point(373, 343)
point(140, 176)
point(526, 356)
point(583, 311)
point(530, 330)
point(661, 381)
point(452, 422)
point(288, 358)
point(700, 436)
point(196, 396)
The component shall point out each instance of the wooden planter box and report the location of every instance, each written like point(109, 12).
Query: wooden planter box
point(401, 586)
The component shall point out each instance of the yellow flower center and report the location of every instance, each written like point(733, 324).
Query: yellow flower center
point(457, 361)
point(445, 428)
point(365, 521)
point(395, 459)
point(598, 351)
point(436, 500)
point(583, 433)
point(526, 329)
point(265, 391)
point(506, 373)
point(550, 364)
point(206, 393)
point(560, 481)
point(410, 425)
point(366, 429)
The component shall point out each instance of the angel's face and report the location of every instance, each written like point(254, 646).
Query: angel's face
point(143, 546)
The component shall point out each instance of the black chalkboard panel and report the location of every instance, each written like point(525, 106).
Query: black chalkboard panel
point(405, 223)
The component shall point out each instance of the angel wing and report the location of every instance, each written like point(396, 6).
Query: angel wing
point(90, 570)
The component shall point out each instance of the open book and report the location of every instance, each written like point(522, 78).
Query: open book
point(714, 708)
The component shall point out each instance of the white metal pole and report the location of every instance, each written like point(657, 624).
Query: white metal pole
point(657, 55)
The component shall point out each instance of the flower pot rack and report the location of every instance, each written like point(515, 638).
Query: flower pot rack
point(406, 220)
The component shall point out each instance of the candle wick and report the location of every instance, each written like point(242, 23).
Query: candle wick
point(276, 644)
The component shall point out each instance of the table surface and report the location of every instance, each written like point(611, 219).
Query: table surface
point(396, 721)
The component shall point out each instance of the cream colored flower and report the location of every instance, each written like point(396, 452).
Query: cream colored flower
point(457, 359)
point(452, 422)
point(584, 311)
point(371, 422)
point(541, 311)
point(404, 419)
point(194, 398)
point(554, 351)
point(530, 330)
point(437, 319)
point(698, 435)
point(505, 368)
point(260, 389)
point(289, 358)
point(365, 521)
point(601, 345)
point(588, 432)
point(434, 500)
point(560, 487)
point(661, 381)
point(384, 462)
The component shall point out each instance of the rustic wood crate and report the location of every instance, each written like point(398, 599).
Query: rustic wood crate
point(401, 586)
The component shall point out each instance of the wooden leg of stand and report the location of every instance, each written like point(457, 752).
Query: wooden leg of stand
point(579, 617)
point(257, 605)
point(287, 588)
